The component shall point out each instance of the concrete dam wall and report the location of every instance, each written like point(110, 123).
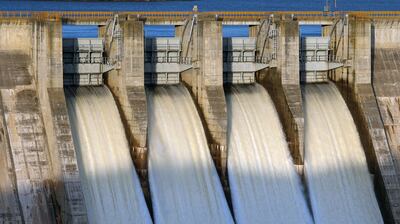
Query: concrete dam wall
point(206, 131)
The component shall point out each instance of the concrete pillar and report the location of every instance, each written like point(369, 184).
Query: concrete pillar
point(283, 84)
point(28, 149)
point(101, 31)
point(179, 30)
point(361, 43)
point(127, 86)
point(354, 83)
point(70, 203)
point(205, 82)
point(253, 31)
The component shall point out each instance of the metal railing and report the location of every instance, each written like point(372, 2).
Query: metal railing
point(173, 59)
point(86, 60)
point(314, 46)
point(252, 59)
point(320, 58)
point(84, 48)
point(238, 47)
point(163, 47)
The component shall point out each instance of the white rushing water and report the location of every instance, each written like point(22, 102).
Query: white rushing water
point(265, 187)
point(185, 187)
point(339, 183)
point(111, 187)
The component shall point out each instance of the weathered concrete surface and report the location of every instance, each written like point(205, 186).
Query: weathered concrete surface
point(283, 84)
point(205, 82)
point(30, 154)
point(23, 118)
point(10, 210)
point(48, 64)
point(386, 83)
point(37, 124)
point(355, 85)
point(127, 86)
point(49, 75)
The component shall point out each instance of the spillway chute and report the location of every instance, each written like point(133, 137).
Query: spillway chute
point(110, 184)
point(265, 187)
point(184, 184)
point(339, 183)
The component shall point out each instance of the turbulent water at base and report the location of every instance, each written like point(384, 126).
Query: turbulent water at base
point(265, 187)
point(111, 187)
point(185, 187)
point(339, 183)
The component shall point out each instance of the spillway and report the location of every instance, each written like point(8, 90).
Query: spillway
point(265, 187)
point(339, 183)
point(184, 184)
point(111, 187)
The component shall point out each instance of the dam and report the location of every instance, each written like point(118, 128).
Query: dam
point(200, 128)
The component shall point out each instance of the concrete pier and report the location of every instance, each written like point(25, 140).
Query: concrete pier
point(24, 124)
point(283, 81)
point(205, 82)
point(70, 204)
point(40, 142)
point(127, 86)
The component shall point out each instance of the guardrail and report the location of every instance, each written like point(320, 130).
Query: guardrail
point(86, 60)
point(320, 58)
point(238, 16)
point(252, 59)
point(170, 59)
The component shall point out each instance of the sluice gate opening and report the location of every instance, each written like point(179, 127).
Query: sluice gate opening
point(84, 61)
point(265, 186)
point(243, 56)
point(164, 60)
point(110, 185)
point(318, 56)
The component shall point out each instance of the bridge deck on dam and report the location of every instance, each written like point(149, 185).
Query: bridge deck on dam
point(43, 164)
point(179, 17)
